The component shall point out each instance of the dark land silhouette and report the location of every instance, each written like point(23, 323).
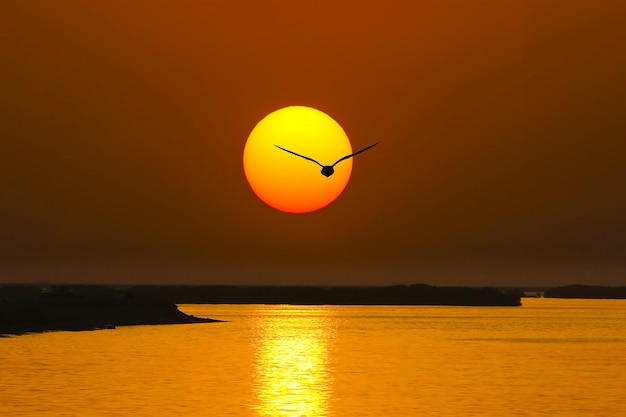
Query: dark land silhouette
point(418, 294)
point(33, 309)
point(586, 291)
point(328, 170)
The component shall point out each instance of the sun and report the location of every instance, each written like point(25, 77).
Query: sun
point(285, 181)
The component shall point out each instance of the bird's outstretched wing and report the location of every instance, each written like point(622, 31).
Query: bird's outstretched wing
point(301, 156)
point(356, 153)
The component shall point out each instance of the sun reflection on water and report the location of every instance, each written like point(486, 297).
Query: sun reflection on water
point(292, 375)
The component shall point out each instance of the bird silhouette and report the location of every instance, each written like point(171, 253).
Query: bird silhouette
point(328, 170)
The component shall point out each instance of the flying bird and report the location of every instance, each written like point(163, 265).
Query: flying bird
point(328, 170)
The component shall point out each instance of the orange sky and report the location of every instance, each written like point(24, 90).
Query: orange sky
point(502, 158)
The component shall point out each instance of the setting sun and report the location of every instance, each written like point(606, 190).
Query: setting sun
point(289, 183)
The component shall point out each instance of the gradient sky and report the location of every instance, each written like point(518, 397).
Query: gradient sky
point(502, 126)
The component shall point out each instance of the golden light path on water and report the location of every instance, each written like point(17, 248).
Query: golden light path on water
point(291, 371)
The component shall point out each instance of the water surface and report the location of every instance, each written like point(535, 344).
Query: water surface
point(547, 358)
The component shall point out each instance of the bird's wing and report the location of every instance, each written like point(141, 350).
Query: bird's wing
point(356, 153)
point(301, 156)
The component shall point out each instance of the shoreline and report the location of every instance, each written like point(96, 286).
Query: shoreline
point(30, 310)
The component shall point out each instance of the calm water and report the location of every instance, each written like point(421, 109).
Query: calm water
point(549, 357)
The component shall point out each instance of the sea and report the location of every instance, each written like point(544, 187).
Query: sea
point(550, 357)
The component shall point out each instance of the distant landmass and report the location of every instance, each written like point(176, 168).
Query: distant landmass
point(586, 291)
point(32, 309)
point(417, 294)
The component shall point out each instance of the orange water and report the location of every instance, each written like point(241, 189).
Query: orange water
point(547, 358)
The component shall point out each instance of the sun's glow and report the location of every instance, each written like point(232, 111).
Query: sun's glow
point(289, 183)
point(292, 376)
